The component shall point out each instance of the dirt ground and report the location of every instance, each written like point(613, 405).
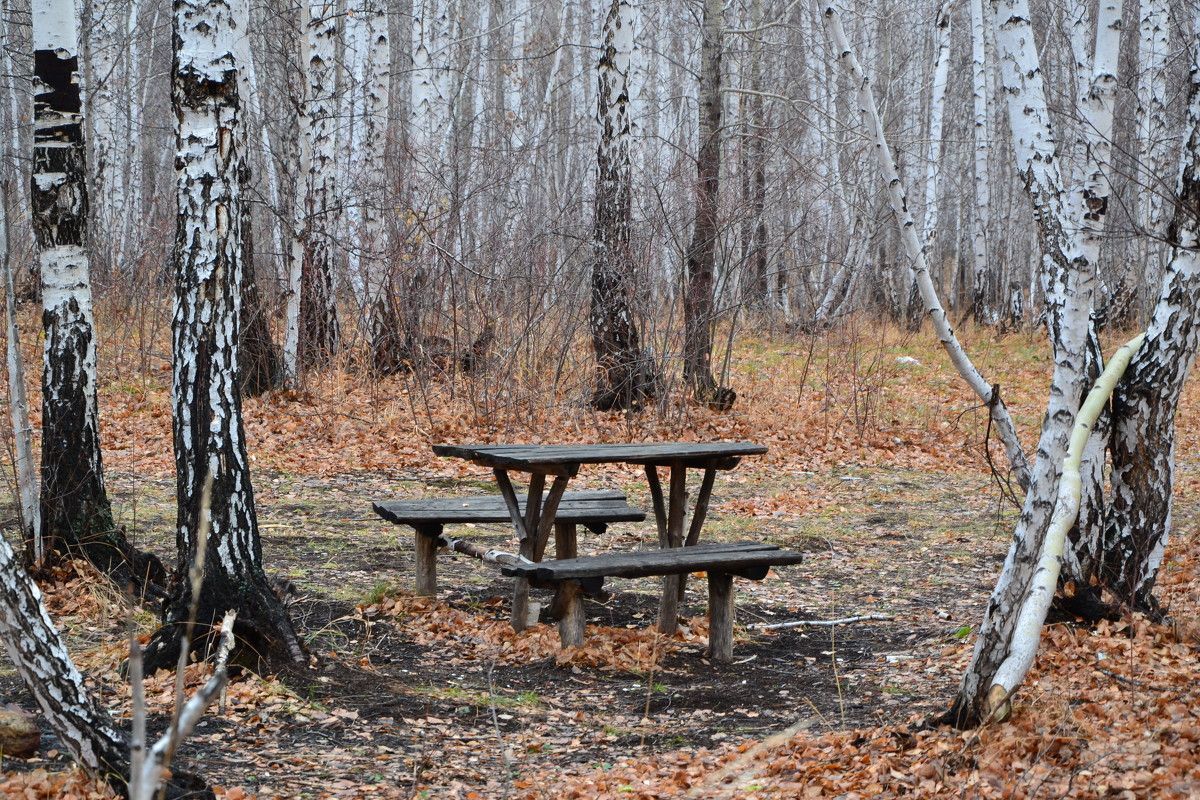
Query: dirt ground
point(404, 705)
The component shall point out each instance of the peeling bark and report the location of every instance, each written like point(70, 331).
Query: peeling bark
point(625, 375)
point(1143, 439)
point(206, 400)
point(76, 516)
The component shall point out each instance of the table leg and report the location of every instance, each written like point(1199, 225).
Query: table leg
point(668, 607)
point(565, 540)
point(660, 508)
point(538, 522)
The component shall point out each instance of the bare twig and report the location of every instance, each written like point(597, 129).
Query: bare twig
point(820, 623)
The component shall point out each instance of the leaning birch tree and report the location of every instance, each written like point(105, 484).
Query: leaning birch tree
point(209, 440)
point(1070, 222)
point(75, 512)
point(624, 376)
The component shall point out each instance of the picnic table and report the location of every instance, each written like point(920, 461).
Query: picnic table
point(534, 518)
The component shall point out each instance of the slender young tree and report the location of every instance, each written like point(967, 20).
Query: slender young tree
point(76, 516)
point(983, 280)
point(624, 378)
point(700, 261)
point(206, 401)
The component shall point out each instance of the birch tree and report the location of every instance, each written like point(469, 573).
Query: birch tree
point(624, 376)
point(1070, 221)
point(207, 429)
point(27, 490)
point(317, 330)
point(984, 281)
point(700, 260)
point(74, 508)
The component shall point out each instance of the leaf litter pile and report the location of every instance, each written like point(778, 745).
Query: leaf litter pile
point(877, 470)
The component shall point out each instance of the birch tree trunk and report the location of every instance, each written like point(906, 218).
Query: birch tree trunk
point(624, 376)
point(1143, 438)
point(319, 336)
point(301, 186)
point(83, 727)
point(76, 516)
point(206, 401)
point(985, 281)
point(1153, 138)
point(700, 262)
point(18, 406)
point(755, 163)
point(1069, 228)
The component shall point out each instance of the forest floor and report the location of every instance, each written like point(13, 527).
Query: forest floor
point(877, 471)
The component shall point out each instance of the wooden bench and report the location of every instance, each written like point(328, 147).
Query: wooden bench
point(592, 509)
point(722, 562)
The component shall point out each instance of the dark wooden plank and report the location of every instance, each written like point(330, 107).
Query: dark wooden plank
point(732, 559)
point(534, 457)
point(600, 506)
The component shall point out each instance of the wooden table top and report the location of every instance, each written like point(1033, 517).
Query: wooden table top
point(541, 456)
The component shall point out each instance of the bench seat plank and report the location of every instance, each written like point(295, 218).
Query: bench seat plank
point(579, 507)
point(725, 557)
point(722, 561)
point(427, 516)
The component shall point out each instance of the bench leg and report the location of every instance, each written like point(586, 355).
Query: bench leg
point(571, 623)
point(520, 604)
point(426, 549)
point(668, 605)
point(720, 616)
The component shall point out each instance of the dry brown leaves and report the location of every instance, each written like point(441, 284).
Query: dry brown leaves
point(428, 620)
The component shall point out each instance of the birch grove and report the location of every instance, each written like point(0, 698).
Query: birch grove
point(582, 205)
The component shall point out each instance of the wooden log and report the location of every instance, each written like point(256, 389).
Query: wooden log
point(19, 734)
point(720, 617)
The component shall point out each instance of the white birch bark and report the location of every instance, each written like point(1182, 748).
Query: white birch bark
point(298, 237)
point(1152, 138)
point(74, 503)
point(1027, 633)
point(319, 335)
point(430, 101)
point(208, 437)
point(369, 56)
point(985, 279)
point(937, 113)
point(83, 727)
point(31, 518)
point(1069, 228)
point(912, 244)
